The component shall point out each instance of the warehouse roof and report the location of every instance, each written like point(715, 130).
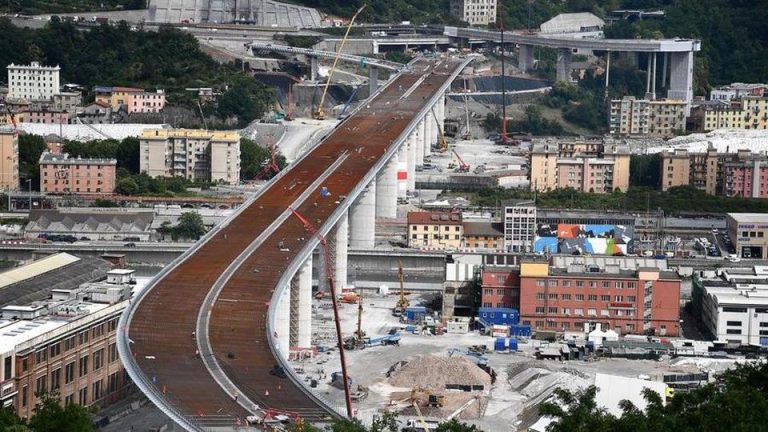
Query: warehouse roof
point(749, 217)
point(483, 228)
point(36, 268)
point(77, 222)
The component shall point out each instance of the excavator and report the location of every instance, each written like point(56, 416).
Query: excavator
point(319, 113)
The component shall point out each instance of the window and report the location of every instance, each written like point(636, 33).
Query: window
point(579, 284)
point(55, 379)
point(83, 338)
point(619, 298)
point(488, 291)
point(41, 356)
point(40, 385)
point(112, 382)
point(565, 296)
point(592, 284)
point(733, 331)
point(734, 323)
point(631, 285)
point(605, 312)
point(606, 284)
point(553, 282)
point(579, 297)
point(631, 298)
point(539, 324)
point(69, 343)
point(734, 309)
point(24, 395)
point(605, 298)
point(82, 396)
point(592, 312)
point(592, 297)
point(539, 309)
point(541, 296)
point(8, 368)
point(619, 285)
point(69, 372)
point(553, 296)
point(541, 283)
point(69, 399)
point(97, 390)
point(552, 310)
point(83, 366)
point(55, 350)
point(24, 364)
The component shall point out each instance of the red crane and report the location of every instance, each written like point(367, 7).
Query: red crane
point(329, 273)
point(270, 166)
point(463, 166)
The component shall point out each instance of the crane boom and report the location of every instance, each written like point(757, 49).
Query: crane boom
point(320, 114)
point(332, 288)
point(463, 167)
point(443, 142)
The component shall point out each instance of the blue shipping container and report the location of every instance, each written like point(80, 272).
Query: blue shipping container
point(500, 344)
point(415, 313)
point(513, 344)
point(499, 316)
point(520, 330)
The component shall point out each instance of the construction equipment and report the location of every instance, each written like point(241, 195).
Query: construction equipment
point(359, 333)
point(202, 116)
point(463, 166)
point(350, 297)
point(343, 114)
point(270, 167)
point(403, 302)
point(329, 273)
point(319, 114)
point(443, 143)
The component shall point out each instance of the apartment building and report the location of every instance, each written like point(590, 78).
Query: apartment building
point(197, 155)
point(67, 101)
point(60, 173)
point(587, 166)
point(135, 100)
point(750, 112)
point(65, 344)
point(9, 159)
point(656, 118)
point(627, 300)
point(474, 12)
point(435, 230)
point(46, 115)
point(33, 82)
point(683, 168)
point(519, 226)
point(483, 234)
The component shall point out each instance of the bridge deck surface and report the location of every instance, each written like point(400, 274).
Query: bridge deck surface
point(163, 323)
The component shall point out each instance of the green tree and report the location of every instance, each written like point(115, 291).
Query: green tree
point(190, 226)
point(127, 186)
point(456, 426)
point(50, 416)
point(31, 147)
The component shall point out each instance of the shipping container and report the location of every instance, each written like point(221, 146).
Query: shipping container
point(520, 330)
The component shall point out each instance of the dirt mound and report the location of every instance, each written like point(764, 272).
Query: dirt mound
point(435, 372)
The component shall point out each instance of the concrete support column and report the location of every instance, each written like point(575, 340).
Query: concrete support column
point(419, 137)
point(314, 68)
point(411, 142)
point(373, 79)
point(283, 322)
point(362, 219)
point(525, 58)
point(664, 67)
point(341, 247)
point(681, 76)
point(402, 170)
point(653, 79)
point(648, 75)
point(564, 65)
point(303, 302)
point(430, 139)
point(607, 70)
point(386, 190)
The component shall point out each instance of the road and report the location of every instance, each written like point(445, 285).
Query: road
point(240, 266)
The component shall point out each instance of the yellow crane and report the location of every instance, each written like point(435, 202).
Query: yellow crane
point(320, 114)
point(403, 302)
point(443, 142)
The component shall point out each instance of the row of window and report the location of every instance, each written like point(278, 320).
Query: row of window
point(580, 311)
point(54, 350)
point(580, 284)
point(457, 228)
point(580, 297)
point(98, 389)
point(566, 325)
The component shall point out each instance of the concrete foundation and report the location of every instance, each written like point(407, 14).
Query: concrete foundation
point(564, 65)
point(525, 58)
point(362, 219)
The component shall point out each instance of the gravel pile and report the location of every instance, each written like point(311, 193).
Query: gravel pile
point(430, 371)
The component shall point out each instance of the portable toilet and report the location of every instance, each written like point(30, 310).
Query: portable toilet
point(513, 344)
point(500, 345)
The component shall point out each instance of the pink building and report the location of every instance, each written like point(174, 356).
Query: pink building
point(60, 174)
point(746, 176)
point(135, 100)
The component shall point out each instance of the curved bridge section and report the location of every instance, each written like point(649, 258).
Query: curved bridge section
point(201, 340)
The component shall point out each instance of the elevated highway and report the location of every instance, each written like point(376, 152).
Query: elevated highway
point(201, 340)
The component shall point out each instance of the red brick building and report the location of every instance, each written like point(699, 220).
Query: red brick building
point(627, 301)
point(60, 174)
point(501, 288)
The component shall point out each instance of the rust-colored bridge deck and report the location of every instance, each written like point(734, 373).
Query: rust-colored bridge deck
point(163, 323)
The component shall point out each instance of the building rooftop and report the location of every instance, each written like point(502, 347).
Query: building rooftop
point(749, 217)
point(488, 228)
point(433, 218)
point(34, 65)
point(90, 220)
point(163, 134)
point(36, 268)
point(65, 159)
point(573, 215)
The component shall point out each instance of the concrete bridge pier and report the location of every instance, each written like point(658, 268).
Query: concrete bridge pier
point(564, 64)
point(283, 325)
point(681, 76)
point(420, 138)
point(432, 130)
point(362, 219)
point(373, 79)
point(314, 68)
point(410, 143)
point(525, 58)
point(301, 306)
point(386, 190)
point(402, 170)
